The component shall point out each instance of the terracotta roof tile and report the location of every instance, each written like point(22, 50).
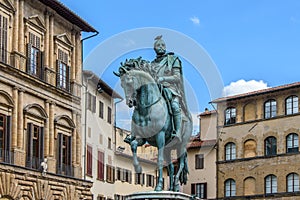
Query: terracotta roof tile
point(258, 92)
point(201, 143)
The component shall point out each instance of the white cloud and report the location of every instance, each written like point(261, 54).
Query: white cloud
point(195, 20)
point(242, 86)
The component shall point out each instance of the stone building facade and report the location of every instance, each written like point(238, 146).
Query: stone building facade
point(202, 156)
point(258, 145)
point(40, 101)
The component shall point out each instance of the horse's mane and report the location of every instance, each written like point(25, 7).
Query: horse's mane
point(141, 69)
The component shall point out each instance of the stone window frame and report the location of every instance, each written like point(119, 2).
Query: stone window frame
point(271, 184)
point(273, 146)
point(294, 147)
point(62, 43)
point(232, 155)
point(199, 190)
point(295, 186)
point(294, 101)
point(34, 116)
point(230, 115)
point(6, 109)
point(230, 188)
point(64, 130)
point(35, 28)
point(270, 111)
point(7, 10)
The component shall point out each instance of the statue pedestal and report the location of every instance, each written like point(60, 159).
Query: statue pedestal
point(164, 195)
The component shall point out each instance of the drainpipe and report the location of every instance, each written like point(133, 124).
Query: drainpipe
point(217, 149)
point(115, 122)
point(85, 104)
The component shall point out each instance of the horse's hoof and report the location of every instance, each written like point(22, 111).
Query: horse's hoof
point(158, 188)
point(176, 188)
point(138, 169)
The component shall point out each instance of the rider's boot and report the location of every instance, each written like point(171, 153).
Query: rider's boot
point(177, 127)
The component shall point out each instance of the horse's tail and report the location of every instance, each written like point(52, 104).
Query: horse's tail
point(185, 171)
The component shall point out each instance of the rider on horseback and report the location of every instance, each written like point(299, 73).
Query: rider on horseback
point(167, 70)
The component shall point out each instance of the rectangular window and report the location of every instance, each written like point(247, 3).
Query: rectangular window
point(91, 102)
point(64, 163)
point(139, 178)
point(3, 39)
point(100, 166)
point(110, 174)
point(109, 143)
point(89, 160)
point(150, 180)
point(35, 146)
point(63, 71)
point(199, 190)
point(35, 56)
point(101, 109)
point(109, 115)
point(199, 161)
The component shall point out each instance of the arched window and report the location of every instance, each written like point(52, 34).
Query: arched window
point(249, 149)
point(291, 105)
point(270, 109)
point(270, 184)
point(292, 182)
point(270, 146)
point(230, 188)
point(230, 115)
point(292, 143)
point(230, 151)
point(249, 186)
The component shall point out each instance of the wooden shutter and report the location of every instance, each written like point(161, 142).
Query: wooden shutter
point(7, 156)
point(29, 47)
point(70, 171)
point(3, 39)
point(130, 176)
point(100, 165)
point(29, 145)
point(57, 74)
point(41, 144)
point(89, 160)
point(68, 79)
point(204, 190)
point(143, 179)
point(41, 70)
point(59, 156)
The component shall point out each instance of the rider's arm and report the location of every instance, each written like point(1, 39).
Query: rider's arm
point(174, 78)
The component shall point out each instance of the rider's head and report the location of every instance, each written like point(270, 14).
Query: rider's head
point(159, 46)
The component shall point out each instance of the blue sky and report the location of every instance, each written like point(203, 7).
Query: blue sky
point(253, 43)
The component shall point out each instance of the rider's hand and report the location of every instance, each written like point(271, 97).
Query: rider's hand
point(160, 80)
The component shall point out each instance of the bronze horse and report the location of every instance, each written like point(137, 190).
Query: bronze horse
point(152, 123)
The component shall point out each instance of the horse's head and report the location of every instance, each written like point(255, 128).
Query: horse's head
point(128, 83)
point(133, 73)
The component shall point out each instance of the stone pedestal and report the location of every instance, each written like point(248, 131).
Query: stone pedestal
point(163, 195)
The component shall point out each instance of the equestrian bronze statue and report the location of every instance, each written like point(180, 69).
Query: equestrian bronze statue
point(161, 117)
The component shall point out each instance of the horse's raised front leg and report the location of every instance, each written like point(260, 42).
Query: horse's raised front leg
point(160, 141)
point(134, 144)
